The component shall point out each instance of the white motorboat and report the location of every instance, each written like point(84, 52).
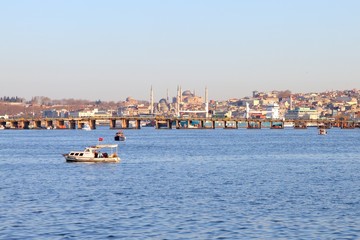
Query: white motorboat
point(86, 127)
point(322, 131)
point(95, 154)
point(288, 124)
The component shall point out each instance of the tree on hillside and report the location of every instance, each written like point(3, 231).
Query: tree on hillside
point(284, 94)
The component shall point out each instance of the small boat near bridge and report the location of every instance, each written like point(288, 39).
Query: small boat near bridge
point(119, 136)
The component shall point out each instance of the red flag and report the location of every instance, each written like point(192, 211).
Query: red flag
point(100, 139)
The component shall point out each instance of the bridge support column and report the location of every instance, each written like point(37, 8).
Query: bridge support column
point(92, 124)
point(138, 124)
point(60, 124)
point(49, 124)
point(112, 123)
point(177, 124)
point(169, 124)
point(72, 124)
point(37, 124)
point(125, 123)
point(348, 125)
point(25, 124)
point(14, 125)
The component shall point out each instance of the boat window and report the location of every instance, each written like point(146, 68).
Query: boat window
point(76, 154)
point(87, 150)
point(71, 154)
point(81, 154)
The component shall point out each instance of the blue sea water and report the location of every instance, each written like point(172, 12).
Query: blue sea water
point(182, 184)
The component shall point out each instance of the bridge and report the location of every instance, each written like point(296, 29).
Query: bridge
point(160, 122)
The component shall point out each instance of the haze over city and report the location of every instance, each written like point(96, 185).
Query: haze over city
point(110, 50)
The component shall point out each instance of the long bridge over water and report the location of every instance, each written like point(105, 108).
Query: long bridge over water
point(160, 122)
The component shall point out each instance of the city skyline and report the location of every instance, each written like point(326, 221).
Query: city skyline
point(111, 50)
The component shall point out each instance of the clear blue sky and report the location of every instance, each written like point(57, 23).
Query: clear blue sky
point(110, 50)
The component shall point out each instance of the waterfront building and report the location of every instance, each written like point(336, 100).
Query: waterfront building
point(55, 113)
point(95, 113)
point(272, 111)
point(302, 113)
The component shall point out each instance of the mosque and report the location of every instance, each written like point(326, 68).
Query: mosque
point(186, 101)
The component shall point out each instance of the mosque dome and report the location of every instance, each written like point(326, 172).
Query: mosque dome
point(187, 93)
point(163, 101)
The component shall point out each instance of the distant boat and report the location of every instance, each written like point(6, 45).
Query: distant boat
point(322, 131)
point(119, 136)
point(2, 127)
point(288, 125)
point(86, 127)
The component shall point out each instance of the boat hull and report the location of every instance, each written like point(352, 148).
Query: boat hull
point(118, 138)
point(92, 160)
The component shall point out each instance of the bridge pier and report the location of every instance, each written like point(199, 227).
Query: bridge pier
point(37, 124)
point(125, 123)
point(169, 124)
point(348, 125)
point(25, 124)
point(72, 124)
point(49, 124)
point(137, 124)
point(112, 123)
point(201, 124)
point(60, 124)
point(14, 124)
point(92, 124)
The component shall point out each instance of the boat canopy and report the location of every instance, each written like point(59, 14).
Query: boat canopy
point(107, 146)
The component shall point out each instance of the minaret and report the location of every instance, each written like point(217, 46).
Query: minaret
point(167, 95)
point(151, 100)
point(178, 100)
point(206, 102)
point(247, 115)
point(291, 103)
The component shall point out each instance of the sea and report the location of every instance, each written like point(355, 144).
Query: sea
point(182, 184)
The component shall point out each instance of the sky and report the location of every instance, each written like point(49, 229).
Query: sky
point(110, 50)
